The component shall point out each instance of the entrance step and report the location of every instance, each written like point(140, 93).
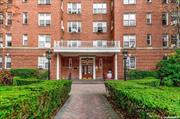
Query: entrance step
point(88, 82)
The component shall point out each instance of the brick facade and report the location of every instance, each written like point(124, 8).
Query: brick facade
point(27, 56)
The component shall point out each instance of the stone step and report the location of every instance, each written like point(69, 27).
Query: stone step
point(88, 81)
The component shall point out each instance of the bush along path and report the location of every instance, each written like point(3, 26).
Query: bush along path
point(87, 101)
point(33, 101)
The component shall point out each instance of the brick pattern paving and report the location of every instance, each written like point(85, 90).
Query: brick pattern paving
point(87, 101)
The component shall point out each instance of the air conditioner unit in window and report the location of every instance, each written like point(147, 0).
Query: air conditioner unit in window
point(132, 45)
point(74, 30)
point(62, 28)
point(173, 22)
point(40, 67)
point(100, 30)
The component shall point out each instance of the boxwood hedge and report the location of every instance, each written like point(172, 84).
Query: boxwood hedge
point(21, 81)
point(33, 101)
point(145, 101)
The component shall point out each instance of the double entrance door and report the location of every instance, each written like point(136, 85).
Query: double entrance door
point(87, 66)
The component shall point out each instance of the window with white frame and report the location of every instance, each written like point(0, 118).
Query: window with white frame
point(44, 19)
point(1, 18)
point(149, 18)
point(174, 18)
point(131, 62)
point(74, 27)
point(8, 40)
point(100, 43)
point(149, 39)
point(165, 40)
point(44, 41)
point(44, 2)
point(99, 27)
point(1, 64)
point(73, 43)
point(74, 8)
point(99, 8)
point(9, 18)
point(25, 17)
point(129, 41)
point(165, 19)
point(148, 1)
point(42, 63)
point(129, 19)
point(174, 40)
point(1, 39)
point(24, 1)
point(7, 62)
point(25, 39)
point(129, 1)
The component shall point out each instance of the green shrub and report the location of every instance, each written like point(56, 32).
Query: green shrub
point(30, 73)
point(19, 81)
point(42, 74)
point(5, 78)
point(35, 101)
point(169, 70)
point(140, 74)
point(144, 101)
point(24, 73)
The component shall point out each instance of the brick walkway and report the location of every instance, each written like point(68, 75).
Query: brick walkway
point(87, 101)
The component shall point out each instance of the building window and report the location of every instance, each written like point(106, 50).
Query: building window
point(165, 19)
point(129, 41)
point(165, 40)
point(129, 19)
point(174, 40)
point(25, 17)
point(7, 62)
point(74, 8)
point(44, 2)
point(1, 18)
point(148, 1)
point(99, 27)
point(8, 40)
point(24, 1)
point(131, 62)
point(44, 19)
point(73, 43)
point(129, 1)
point(99, 8)
point(149, 18)
point(100, 43)
point(25, 39)
point(1, 40)
point(9, 19)
point(74, 27)
point(174, 18)
point(1, 63)
point(149, 39)
point(42, 63)
point(44, 41)
point(165, 1)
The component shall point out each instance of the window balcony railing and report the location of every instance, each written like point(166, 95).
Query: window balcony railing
point(89, 46)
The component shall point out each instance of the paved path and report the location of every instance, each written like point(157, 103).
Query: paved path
point(87, 101)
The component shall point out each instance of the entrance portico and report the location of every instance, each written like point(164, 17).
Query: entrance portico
point(85, 63)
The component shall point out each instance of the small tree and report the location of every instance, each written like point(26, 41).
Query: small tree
point(169, 70)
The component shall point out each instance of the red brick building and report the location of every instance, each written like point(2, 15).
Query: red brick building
point(87, 37)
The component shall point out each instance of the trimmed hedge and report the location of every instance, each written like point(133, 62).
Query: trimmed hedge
point(19, 81)
point(140, 74)
point(35, 101)
point(144, 101)
point(29, 73)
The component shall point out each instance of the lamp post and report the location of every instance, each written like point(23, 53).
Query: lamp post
point(125, 55)
point(48, 56)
